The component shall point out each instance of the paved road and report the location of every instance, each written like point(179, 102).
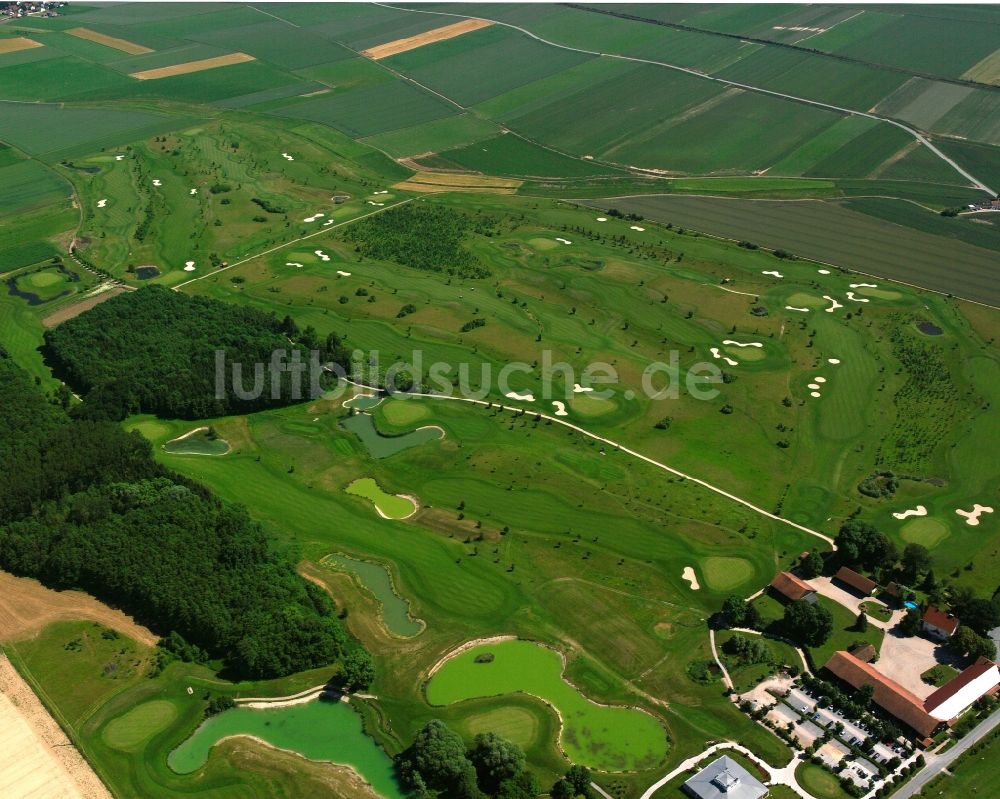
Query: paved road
point(937, 763)
point(733, 84)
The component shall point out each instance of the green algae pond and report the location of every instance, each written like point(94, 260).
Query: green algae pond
point(363, 402)
point(324, 730)
point(381, 446)
point(389, 506)
point(201, 441)
point(376, 580)
point(602, 737)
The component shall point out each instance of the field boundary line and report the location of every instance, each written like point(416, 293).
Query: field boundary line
point(978, 184)
point(274, 16)
point(320, 232)
point(622, 448)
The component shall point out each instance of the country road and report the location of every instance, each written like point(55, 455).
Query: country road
point(730, 83)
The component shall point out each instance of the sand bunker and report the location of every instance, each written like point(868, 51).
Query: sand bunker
point(972, 516)
point(602, 219)
point(864, 285)
point(920, 510)
point(313, 218)
point(328, 222)
point(689, 575)
point(578, 389)
point(287, 157)
point(813, 386)
point(793, 308)
point(101, 203)
point(193, 192)
point(737, 344)
point(834, 305)
point(815, 394)
point(527, 396)
point(372, 202)
point(563, 241)
point(189, 266)
point(560, 408)
point(157, 182)
point(850, 296)
point(772, 272)
point(384, 191)
point(716, 354)
point(636, 227)
point(119, 157)
point(293, 263)
point(342, 273)
point(820, 379)
point(321, 255)
point(834, 361)
point(823, 271)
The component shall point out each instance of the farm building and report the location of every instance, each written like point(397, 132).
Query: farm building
point(889, 695)
point(792, 588)
point(856, 582)
point(725, 778)
point(938, 624)
point(957, 695)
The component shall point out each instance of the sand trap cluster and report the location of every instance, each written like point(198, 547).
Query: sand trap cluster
point(157, 182)
point(602, 219)
point(772, 273)
point(101, 203)
point(321, 255)
point(189, 266)
point(920, 510)
point(578, 389)
point(313, 218)
point(293, 263)
point(738, 344)
point(342, 273)
point(853, 298)
point(815, 386)
point(834, 305)
point(972, 516)
point(527, 396)
point(288, 157)
point(563, 241)
point(716, 354)
point(689, 575)
point(560, 408)
point(636, 227)
point(793, 308)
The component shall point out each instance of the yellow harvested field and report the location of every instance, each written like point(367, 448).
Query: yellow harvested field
point(38, 760)
point(193, 66)
point(109, 41)
point(26, 606)
point(18, 43)
point(987, 70)
point(464, 182)
point(428, 37)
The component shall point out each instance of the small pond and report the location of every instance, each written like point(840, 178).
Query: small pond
point(383, 446)
point(376, 578)
point(929, 328)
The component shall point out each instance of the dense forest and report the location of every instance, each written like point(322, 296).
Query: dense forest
point(83, 504)
point(422, 236)
point(154, 351)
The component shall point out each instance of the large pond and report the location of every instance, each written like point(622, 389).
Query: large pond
point(601, 737)
point(322, 730)
point(381, 446)
point(376, 579)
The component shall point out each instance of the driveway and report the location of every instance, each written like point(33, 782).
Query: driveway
point(828, 588)
point(904, 659)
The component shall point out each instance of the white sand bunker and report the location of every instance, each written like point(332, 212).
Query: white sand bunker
point(101, 203)
point(287, 157)
point(119, 157)
point(716, 354)
point(815, 394)
point(689, 575)
point(321, 255)
point(602, 219)
point(737, 344)
point(793, 308)
point(527, 396)
point(342, 273)
point(813, 386)
point(972, 516)
point(920, 510)
point(564, 241)
point(328, 222)
point(313, 218)
point(823, 271)
point(834, 361)
point(193, 192)
point(157, 182)
point(636, 227)
point(578, 389)
point(772, 272)
point(560, 408)
point(850, 296)
point(189, 266)
point(864, 285)
point(384, 191)
point(819, 379)
point(293, 263)
point(834, 305)
point(372, 202)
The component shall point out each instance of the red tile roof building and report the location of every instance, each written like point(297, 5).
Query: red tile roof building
point(957, 695)
point(938, 623)
point(858, 582)
point(793, 588)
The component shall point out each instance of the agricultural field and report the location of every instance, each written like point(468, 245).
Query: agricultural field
point(632, 305)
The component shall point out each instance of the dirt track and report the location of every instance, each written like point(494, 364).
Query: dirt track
point(427, 37)
point(26, 606)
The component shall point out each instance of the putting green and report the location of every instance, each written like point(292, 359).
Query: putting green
point(513, 723)
point(129, 732)
point(586, 405)
point(598, 736)
point(543, 244)
point(925, 531)
point(746, 353)
point(302, 257)
point(198, 442)
point(45, 278)
point(722, 574)
point(389, 506)
point(151, 429)
point(800, 299)
point(882, 294)
point(326, 731)
point(404, 412)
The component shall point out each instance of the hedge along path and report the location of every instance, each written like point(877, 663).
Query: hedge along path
point(109, 41)
point(193, 66)
point(427, 37)
point(976, 183)
point(17, 44)
point(622, 448)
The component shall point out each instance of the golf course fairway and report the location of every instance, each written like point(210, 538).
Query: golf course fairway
point(389, 506)
point(601, 737)
point(323, 730)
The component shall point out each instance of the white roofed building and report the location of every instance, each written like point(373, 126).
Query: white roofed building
point(956, 696)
